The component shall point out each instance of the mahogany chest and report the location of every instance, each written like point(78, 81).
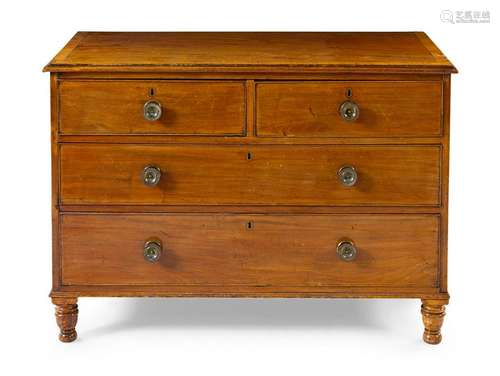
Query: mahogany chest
point(250, 165)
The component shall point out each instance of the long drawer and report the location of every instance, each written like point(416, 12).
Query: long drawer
point(185, 107)
point(315, 109)
point(254, 250)
point(250, 175)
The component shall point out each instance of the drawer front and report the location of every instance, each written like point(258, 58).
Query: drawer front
point(278, 250)
point(253, 175)
point(117, 107)
point(386, 109)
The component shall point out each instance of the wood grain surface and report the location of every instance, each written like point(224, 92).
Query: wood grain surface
point(287, 250)
point(311, 109)
point(117, 107)
point(124, 51)
point(274, 175)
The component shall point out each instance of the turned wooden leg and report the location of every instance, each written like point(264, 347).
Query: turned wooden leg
point(66, 317)
point(433, 311)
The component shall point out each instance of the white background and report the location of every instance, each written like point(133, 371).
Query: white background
point(245, 337)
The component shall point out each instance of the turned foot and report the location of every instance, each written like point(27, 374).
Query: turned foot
point(66, 317)
point(433, 311)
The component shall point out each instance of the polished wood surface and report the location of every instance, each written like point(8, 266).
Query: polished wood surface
point(433, 312)
point(117, 107)
point(164, 51)
point(250, 142)
point(66, 317)
point(256, 175)
point(288, 250)
point(311, 109)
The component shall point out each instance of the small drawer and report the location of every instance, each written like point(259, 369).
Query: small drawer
point(349, 109)
point(251, 175)
point(152, 107)
point(276, 250)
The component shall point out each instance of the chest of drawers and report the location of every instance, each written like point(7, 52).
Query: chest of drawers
point(250, 165)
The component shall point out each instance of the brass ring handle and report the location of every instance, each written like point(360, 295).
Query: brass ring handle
point(347, 176)
point(152, 250)
point(152, 110)
point(349, 111)
point(346, 250)
point(151, 176)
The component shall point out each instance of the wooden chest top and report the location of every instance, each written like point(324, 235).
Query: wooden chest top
point(251, 51)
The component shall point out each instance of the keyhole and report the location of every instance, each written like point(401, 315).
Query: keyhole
point(151, 92)
point(249, 156)
point(249, 225)
point(348, 93)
